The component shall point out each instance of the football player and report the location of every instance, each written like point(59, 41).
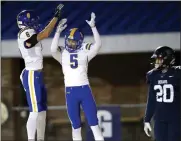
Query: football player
point(74, 58)
point(29, 42)
point(164, 96)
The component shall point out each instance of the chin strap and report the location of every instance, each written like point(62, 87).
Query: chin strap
point(20, 24)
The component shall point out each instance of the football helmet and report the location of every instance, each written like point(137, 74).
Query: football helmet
point(73, 39)
point(163, 57)
point(28, 18)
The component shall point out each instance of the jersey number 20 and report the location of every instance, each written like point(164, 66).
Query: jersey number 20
point(165, 93)
point(73, 61)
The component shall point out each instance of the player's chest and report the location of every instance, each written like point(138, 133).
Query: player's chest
point(164, 79)
point(166, 88)
point(77, 58)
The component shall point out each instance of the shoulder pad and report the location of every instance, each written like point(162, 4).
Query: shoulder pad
point(177, 67)
point(26, 32)
point(149, 74)
point(23, 29)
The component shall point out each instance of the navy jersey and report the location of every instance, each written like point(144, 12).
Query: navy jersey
point(164, 95)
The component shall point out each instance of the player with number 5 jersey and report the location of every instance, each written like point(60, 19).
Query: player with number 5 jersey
point(164, 96)
point(74, 58)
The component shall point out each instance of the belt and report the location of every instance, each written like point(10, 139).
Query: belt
point(40, 70)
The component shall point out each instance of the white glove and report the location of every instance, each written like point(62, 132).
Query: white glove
point(92, 21)
point(147, 128)
point(61, 25)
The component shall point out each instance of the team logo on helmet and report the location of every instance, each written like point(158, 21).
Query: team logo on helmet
point(72, 31)
point(28, 15)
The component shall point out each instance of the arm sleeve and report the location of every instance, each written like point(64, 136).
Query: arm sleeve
point(94, 48)
point(151, 103)
point(30, 38)
point(54, 48)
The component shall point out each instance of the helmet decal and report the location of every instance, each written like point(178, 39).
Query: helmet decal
point(72, 32)
point(28, 15)
point(73, 39)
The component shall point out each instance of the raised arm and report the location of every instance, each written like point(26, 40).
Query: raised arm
point(35, 38)
point(54, 46)
point(93, 48)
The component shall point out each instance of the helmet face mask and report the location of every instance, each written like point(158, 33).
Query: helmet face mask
point(163, 57)
point(157, 62)
point(72, 43)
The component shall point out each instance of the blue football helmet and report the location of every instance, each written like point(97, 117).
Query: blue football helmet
point(28, 18)
point(73, 39)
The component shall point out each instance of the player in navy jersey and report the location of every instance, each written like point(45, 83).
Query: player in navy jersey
point(163, 96)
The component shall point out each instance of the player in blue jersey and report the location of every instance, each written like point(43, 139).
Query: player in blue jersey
point(163, 96)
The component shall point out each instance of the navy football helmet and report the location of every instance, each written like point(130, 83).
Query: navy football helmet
point(28, 18)
point(163, 57)
point(73, 39)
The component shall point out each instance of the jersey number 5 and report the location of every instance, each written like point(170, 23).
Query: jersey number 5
point(73, 61)
point(165, 93)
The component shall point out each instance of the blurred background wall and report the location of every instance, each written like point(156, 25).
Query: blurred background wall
point(130, 32)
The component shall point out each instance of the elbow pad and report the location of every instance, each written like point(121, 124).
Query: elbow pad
point(31, 42)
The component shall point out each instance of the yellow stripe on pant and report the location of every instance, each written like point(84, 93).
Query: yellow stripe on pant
point(32, 91)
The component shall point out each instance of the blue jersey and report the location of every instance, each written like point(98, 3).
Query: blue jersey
point(164, 95)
